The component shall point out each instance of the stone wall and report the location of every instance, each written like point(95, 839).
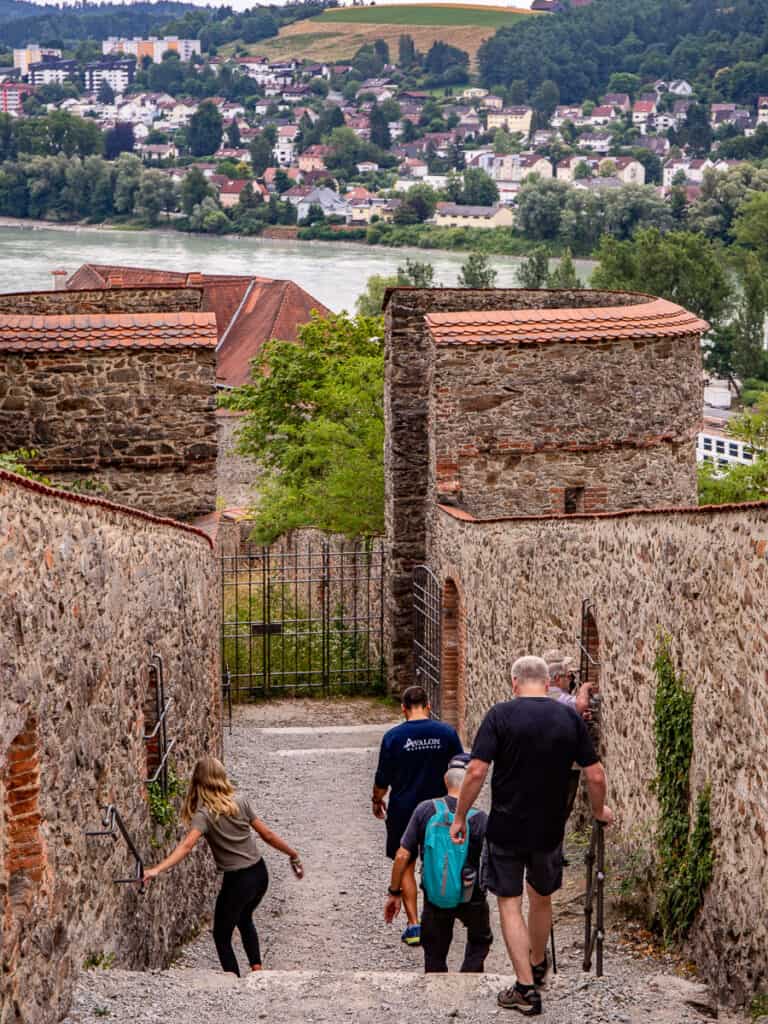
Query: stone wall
point(112, 300)
point(513, 425)
point(88, 592)
point(235, 474)
point(141, 422)
point(409, 488)
point(701, 576)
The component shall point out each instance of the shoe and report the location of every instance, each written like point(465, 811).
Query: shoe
point(528, 1003)
point(412, 935)
point(540, 972)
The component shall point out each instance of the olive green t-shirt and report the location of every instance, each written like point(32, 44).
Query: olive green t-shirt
point(232, 840)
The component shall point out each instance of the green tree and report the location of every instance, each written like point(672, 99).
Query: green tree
point(128, 172)
point(533, 271)
point(545, 99)
point(205, 129)
point(750, 229)
point(370, 302)
point(476, 272)
point(479, 188)
point(315, 423)
point(564, 275)
point(105, 94)
point(680, 266)
point(233, 134)
point(417, 274)
point(261, 155)
point(406, 51)
point(194, 189)
point(379, 129)
point(150, 201)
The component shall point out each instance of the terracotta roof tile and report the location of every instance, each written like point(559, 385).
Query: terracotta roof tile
point(657, 317)
point(106, 330)
point(249, 310)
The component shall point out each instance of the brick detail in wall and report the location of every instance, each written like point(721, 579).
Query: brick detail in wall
point(452, 657)
point(150, 721)
point(24, 853)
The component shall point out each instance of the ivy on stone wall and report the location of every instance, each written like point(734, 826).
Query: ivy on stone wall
point(685, 855)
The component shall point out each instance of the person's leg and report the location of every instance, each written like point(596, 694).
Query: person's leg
point(436, 935)
point(476, 917)
point(410, 893)
point(539, 924)
point(245, 925)
point(225, 918)
point(516, 937)
point(544, 875)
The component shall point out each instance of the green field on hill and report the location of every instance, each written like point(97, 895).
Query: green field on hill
point(425, 14)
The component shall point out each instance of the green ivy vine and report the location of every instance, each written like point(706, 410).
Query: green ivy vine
point(685, 855)
point(162, 806)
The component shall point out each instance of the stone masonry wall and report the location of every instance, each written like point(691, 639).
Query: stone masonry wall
point(700, 575)
point(513, 425)
point(141, 422)
point(113, 300)
point(406, 398)
point(88, 591)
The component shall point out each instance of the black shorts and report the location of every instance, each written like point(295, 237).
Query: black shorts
point(503, 870)
point(395, 829)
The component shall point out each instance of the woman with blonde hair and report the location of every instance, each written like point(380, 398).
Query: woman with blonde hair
point(213, 809)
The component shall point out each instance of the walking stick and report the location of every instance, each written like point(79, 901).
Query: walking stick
point(554, 955)
point(593, 937)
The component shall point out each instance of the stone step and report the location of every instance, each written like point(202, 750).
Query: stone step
point(197, 996)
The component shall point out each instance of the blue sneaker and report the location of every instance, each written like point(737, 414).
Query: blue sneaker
point(412, 935)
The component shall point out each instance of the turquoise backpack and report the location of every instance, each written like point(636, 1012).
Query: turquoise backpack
point(443, 859)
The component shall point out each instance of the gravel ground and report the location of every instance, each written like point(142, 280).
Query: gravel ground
point(308, 768)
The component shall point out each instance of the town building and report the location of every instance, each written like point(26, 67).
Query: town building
point(12, 97)
point(152, 48)
point(512, 119)
point(33, 54)
point(118, 74)
point(452, 215)
point(52, 71)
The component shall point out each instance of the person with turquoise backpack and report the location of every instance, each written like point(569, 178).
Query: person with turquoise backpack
point(449, 877)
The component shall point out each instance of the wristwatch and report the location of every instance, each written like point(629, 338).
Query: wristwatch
point(394, 892)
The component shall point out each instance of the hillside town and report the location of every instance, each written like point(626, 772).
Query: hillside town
point(339, 147)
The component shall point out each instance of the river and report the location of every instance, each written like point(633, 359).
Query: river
point(334, 273)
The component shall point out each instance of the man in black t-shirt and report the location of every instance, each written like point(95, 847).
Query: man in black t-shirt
point(532, 743)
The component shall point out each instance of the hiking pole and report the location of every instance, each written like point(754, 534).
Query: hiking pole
point(595, 861)
point(554, 955)
point(589, 860)
point(600, 932)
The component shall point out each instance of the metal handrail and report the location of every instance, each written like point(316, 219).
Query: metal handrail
point(160, 768)
point(161, 719)
point(113, 825)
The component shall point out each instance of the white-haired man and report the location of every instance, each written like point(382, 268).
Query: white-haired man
point(559, 677)
point(532, 742)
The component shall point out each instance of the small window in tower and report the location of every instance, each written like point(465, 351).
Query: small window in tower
point(574, 500)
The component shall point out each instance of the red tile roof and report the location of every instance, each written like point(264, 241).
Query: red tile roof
point(29, 333)
point(656, 317)
point(249, 310)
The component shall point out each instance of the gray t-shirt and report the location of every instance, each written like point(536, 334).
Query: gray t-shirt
point(232, 841)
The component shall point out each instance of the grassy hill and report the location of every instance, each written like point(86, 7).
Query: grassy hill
point(337, 34)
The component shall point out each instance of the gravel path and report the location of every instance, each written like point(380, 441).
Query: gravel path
point(308, 768)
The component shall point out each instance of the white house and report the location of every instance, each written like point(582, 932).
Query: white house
point(330, 202)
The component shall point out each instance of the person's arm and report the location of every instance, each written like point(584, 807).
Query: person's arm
point(594, 776)
point(273, 839)
point(381, 782)
point(185, 847)
point(394, 899)
point(474, 777)
point(581, 698)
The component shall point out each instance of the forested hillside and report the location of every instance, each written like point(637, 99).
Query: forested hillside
point(721, 49)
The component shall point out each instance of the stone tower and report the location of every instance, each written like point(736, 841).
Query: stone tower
point(510, 402)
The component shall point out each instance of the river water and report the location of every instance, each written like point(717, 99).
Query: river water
point(334, 273)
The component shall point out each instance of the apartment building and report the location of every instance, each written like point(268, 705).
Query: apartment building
point(152, 47)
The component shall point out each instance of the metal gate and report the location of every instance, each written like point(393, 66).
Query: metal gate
point(304, 619)
point(426, 633)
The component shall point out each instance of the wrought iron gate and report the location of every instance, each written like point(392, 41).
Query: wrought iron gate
point(426, 633)
point(303, 619)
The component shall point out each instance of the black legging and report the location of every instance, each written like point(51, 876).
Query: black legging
point(241, 892)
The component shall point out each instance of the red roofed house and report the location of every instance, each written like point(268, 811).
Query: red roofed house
point(642, 113)
point(229, 193)
point(249, 310)
point(116, 385)
point(313, 158)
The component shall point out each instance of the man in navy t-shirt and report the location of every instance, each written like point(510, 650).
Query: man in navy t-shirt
point(413, 760)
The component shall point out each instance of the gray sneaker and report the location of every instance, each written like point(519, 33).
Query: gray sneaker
point(528, 1003)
